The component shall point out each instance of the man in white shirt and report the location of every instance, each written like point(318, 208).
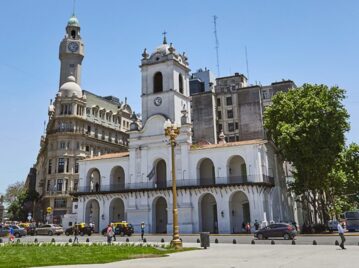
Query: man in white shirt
point(341, 234)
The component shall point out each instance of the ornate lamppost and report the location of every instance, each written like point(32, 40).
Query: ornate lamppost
point(172, 131)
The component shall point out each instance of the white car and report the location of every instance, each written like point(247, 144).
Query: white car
point(49, 229)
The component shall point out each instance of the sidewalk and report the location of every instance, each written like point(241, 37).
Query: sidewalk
point(247, 256)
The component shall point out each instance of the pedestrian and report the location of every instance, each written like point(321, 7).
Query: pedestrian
point(295, 225)
point(243, 227)
point(341, 234)
point(97, 186)
point(248, 228)
point(109, 233)
point(11, 234)
point(142, 230)
point(256, 225)
point(76, 233)
point(114, 231)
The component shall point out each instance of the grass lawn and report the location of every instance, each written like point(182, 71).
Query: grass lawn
point(29, 255)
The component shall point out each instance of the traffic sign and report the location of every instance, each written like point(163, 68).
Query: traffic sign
point(49, 209)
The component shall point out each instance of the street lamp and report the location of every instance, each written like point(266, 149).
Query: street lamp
point(172, 131)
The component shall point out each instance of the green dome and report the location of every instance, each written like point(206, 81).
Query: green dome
point(73, 21)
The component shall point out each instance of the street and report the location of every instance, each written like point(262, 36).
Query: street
point(351, 239)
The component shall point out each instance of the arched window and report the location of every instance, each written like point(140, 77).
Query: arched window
point(73, 34)
point(180, 83)
point(157, 83)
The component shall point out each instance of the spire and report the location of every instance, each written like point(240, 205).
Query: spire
point(164, 38)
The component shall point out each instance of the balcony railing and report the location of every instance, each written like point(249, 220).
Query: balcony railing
point(201, 182)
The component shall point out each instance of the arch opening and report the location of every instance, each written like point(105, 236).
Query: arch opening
point(92, 214)
point(206, 172)
point(159, 215)
point(117, 178)
point(94, 180)
point(157, 82)
point(161, 174)
point(117, 210)
point(237, 170)
point(180, 83)
point(240, 211)
point(208, 214)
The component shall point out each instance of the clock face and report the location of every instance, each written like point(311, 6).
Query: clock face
point(157, 101)
point(73, 46)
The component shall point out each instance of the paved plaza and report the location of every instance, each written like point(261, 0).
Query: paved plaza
point(243, 256)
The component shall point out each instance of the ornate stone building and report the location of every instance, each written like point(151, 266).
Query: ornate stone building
point(80, 124)
point(220, 186)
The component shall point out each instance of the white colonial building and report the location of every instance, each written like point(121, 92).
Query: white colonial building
point(219, 186)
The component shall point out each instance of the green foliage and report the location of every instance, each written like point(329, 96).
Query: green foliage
point(20, 201)
point(44, 254)
point(308, 126)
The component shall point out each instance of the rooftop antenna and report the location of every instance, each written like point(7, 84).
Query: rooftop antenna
point(216, 43)
point(73, 7)
point(164, 37)
point(247, 62)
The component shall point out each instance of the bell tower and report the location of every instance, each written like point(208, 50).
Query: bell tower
point(165, 83)
point(71, 52)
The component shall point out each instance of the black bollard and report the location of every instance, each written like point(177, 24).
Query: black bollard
point(18, 241)
point(70, 240)
point(87, 240)
point(216, 241)
point(336, 243)
point(181, 239)
point(198, 241)
point(272, 242)
point(144, 240)
point(128, 240)
point(53, 240)
point(35, 241)
point(314, 243)
point(293, 242)
point(234, 241)
point(1, 240)
point(253, 242)
point(162, 240)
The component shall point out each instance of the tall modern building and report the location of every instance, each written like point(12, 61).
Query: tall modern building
point(81, 124)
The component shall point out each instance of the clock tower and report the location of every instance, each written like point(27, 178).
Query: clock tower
point(71, 52)
point(165, 83)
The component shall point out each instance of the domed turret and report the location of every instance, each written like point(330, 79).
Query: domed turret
point(73, 21)
point(70, 88)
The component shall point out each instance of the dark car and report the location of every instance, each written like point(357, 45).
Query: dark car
point(287, 231)
point(121, 228)
point(83, 229)
point(4, 231)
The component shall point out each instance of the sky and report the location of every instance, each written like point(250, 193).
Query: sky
point(306, 41)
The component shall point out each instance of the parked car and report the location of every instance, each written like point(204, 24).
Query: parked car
point(4, 231)
point(18, 231)
point(49, 229)
point(121, 228)
point(83, 229)
point(287, 231)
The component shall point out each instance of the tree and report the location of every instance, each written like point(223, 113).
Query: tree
point(20, 201)
point(13, 191)
point(308, 125)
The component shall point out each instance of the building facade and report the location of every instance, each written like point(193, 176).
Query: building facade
point(220, 186)
point(234, 108)
point(80, 124)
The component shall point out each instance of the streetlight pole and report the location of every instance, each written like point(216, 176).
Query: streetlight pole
point(172, 131)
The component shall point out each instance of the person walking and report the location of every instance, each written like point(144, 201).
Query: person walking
point(256, 225)
point(114, 231)
point(11, 234)
point(109, 233)
point(76, 233)
point(248, 228)
point(142, 230)
point(341, 234)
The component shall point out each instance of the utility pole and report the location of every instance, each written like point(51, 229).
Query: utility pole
point(216, 42)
